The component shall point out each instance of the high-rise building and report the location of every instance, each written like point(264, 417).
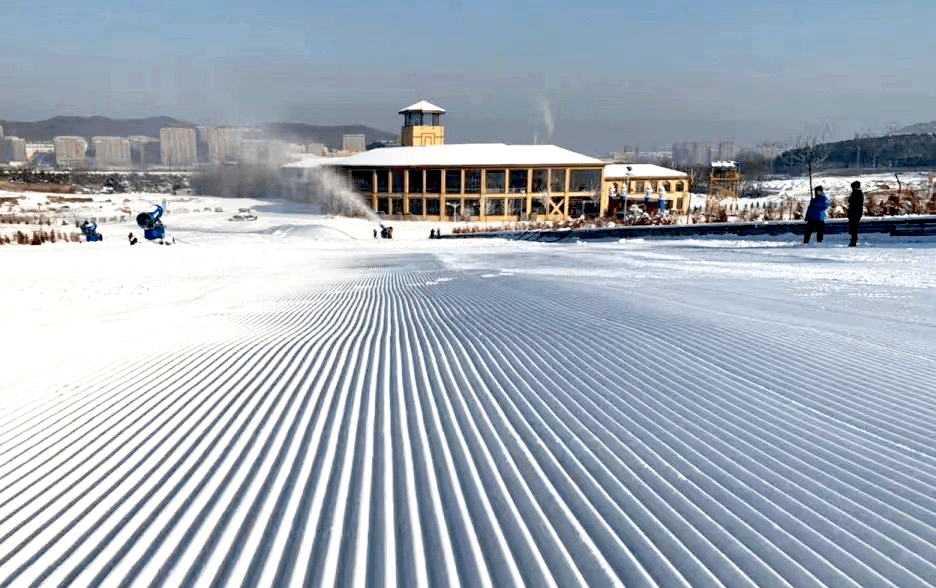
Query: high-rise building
point(70, 151)
point(12, 149)
point(179, 147)
point(111, 152)
point(145, 151)
point(225, 144)
point(354, 143)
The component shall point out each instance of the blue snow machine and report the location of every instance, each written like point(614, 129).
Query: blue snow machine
point(90, 232)
point(153, 228)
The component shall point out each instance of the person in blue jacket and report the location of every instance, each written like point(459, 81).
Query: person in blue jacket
point(815, 215)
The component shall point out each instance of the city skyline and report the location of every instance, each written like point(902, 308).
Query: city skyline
point(593, 77)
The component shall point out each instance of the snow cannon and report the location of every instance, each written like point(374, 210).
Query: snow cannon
point(90, 232)
point(151, 225)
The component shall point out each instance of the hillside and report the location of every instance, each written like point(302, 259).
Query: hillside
point(89, 126)
point(330, 135)
point(918, 128)
point(896, 151)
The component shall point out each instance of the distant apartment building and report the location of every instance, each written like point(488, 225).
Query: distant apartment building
point(355, 143)
point(202, 139)
point(145, 151)
point(34, 147)
point(225, 144)
point(12, 150)
point(1, 130)
point(267, 152)
point(111, 152)
point(70, 151)
point(179, 147)
point(316, 148)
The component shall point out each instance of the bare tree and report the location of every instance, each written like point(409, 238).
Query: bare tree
point(812, 150)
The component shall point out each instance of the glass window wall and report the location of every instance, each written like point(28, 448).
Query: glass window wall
point(415, 181)
point(584, 180)
point(363, 180)
point(433, 181)
point(473, 181)
point(383, 180)
point(557, 180)
point(495, 181)
point(540, 177)
point(518, 181)
point(494, 207)
point(453, 181)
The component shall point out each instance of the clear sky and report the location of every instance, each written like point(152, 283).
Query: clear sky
point(611, 74)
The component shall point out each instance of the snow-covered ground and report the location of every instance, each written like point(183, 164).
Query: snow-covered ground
point(288, 402)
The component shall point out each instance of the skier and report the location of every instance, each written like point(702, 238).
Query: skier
point(815, 216)
point(855, 210)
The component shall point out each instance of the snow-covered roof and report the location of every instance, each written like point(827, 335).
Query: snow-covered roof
point(423, 106)
point(460, 155)
point(725, 164)
point(310, 160)
point(641, 170)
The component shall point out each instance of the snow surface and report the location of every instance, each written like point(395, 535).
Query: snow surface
point(290, 402)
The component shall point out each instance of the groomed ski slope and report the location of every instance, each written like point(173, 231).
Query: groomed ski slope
point(282, 405)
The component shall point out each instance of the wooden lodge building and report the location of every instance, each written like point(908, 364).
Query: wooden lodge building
point(426, 179)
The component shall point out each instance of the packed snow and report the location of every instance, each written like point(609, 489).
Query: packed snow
point(289, 401)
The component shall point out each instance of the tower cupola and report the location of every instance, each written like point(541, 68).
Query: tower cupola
point(421, 125)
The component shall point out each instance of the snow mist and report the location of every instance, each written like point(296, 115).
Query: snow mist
point(331, 192)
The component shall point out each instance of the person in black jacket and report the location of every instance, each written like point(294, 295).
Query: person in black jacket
point(855, 210)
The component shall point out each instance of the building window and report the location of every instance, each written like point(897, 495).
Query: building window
point(680, 186)
point(416, 206)
point(383, 180)
point(432, 206)
point(433, 181)
point(415, 181)
point(363, 180)
point(540, 177)
point(473, 181)
point(396, 206)
point(472, 207)
point(664, 186)
point(383, 206)
point(516, 206)
point(453, 181)
point(397, 180)
point(494, 207)
point(640, 186)
point(518, 181)
point(495, 181)
point(557, 180)
point(585, 180)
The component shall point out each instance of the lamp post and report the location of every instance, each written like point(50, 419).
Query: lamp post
point(454, 206)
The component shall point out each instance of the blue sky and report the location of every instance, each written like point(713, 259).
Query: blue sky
point(612, 74)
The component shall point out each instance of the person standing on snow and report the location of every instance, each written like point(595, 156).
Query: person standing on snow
point(855, 210)
point(815, 215)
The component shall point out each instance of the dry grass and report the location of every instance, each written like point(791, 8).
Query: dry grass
point(25, 187)
point(38, 237)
